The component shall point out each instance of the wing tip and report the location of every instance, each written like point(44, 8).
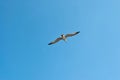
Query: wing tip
point(77, 32)
point(49, 43)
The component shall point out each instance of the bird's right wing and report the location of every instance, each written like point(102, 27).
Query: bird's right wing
point(70, 35)
point(58, 39)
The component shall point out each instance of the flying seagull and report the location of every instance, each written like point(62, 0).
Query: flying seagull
point(63, 37)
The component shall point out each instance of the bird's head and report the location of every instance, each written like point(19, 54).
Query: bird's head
point(62, 35)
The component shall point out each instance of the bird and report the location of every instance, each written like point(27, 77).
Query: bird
point(63, 37)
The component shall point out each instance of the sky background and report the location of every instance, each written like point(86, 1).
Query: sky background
point(27, 26)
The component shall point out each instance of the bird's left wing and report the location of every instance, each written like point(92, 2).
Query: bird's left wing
point(70, 35)
point(58, 39)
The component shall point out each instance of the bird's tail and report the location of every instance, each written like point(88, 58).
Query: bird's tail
point(65, 40)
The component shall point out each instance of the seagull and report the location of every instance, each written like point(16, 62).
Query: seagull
point(63, 37)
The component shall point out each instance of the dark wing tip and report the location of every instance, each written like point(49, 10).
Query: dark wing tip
point(49, 43)
point(77, 32)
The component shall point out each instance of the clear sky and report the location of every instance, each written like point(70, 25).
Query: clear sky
point(27, 26)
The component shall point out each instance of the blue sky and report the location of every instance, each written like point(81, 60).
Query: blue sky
point(27, 26)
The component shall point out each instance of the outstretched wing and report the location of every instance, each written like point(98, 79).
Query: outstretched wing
point(70, 35)
point(58, 39)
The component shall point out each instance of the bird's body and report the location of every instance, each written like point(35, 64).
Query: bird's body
point(63, 37)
